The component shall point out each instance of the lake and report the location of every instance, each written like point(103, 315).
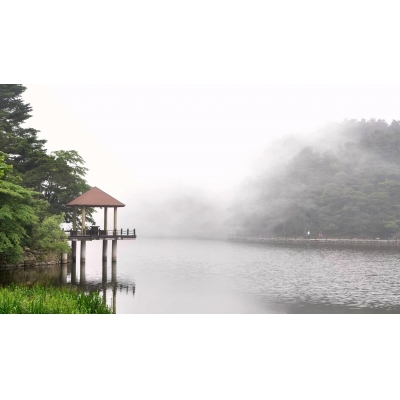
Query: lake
point(160, 276)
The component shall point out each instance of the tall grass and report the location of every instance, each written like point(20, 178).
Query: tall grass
point(50, 300)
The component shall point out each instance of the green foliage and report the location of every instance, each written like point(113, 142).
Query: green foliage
point(353, 190)
point(34, 186)
point(22, 145)
point(4, 168)
point(25, 222)
point(17, 218)
point(47, 236)
point(21, 227)
point(58, 177)
point(50, 300)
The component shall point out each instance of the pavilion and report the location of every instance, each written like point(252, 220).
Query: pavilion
point(93, 198)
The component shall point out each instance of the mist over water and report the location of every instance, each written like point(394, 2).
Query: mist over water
point(183, 214)
point(188, 212)
point(177, 276)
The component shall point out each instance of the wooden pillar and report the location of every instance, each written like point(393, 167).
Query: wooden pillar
point(73, 271)
point(114, 281)
point(73, 246)
point(73, 243)
point(83, 251)
point(105, 218)
point(74, 219)
point(64, 258)
point(114, 272)
point(104, 272)
point(64, 274)
point(105, 293)
point(105, 250)
point(105, 242)
point(114, 301)
point(114, 242)
point(114, 250)
point(83, 220)
point(82, 279)
point(104, 281)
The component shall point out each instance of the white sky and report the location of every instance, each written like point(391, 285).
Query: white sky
point(156, 96)
point(146, 137)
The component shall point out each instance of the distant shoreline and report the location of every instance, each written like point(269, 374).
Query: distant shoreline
point(393, 243)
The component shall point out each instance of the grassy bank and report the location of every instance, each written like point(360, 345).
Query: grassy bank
point(50, 300)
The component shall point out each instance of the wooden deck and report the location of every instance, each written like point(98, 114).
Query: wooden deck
point(98, 234)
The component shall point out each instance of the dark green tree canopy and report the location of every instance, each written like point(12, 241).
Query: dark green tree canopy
point(58, 177)
point(352, 190)
point(34, 186)
point(22, 146)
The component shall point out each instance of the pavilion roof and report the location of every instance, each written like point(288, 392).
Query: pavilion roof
point(95, 197)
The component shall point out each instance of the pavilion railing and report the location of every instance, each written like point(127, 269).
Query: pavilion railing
point(100, 232)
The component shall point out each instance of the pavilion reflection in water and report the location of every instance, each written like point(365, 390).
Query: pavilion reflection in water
point(89, 286)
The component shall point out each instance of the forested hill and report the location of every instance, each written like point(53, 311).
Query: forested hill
point(35, 185)
point(352, 190)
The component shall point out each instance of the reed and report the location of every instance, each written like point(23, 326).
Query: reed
point(50, 300)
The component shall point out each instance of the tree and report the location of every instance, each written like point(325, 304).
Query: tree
point(354, 190)
point(58, 177)
point(47, 237)
point(17, 216)
point(22, 146)
point(5, 169)
point(25, 224)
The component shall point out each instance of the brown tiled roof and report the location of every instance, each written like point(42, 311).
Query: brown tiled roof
point(95, 198)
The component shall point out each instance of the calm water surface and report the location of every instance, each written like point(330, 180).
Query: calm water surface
point(202, 276)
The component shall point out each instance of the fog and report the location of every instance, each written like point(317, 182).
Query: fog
point(179, 156)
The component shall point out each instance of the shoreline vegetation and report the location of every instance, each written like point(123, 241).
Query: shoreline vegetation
point(32, 260)
point(319, 241)
point(35, 186)
point(39, 299)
